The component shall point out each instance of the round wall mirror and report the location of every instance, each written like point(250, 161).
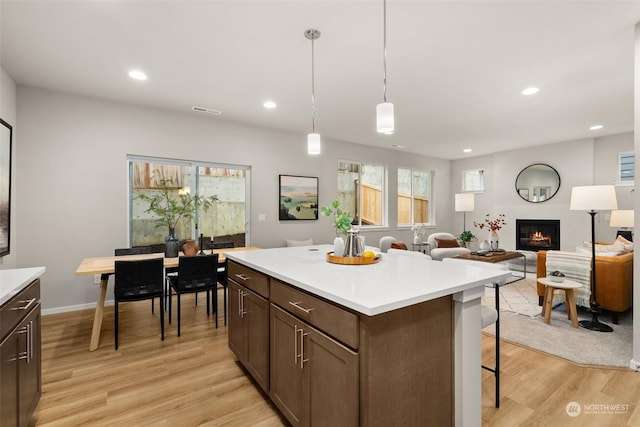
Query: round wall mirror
point(537, 183)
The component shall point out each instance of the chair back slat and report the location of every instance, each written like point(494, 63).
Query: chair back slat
point(197, 272)
point(138, 279)
point(133, 251)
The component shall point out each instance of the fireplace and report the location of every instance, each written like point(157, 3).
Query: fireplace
point(537, 234)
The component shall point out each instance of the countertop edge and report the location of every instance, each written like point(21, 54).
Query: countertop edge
point(14, 280)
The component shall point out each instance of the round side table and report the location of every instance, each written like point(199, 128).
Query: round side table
point(568, 286)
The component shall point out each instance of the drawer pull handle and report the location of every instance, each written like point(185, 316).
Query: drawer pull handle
point(295, 345)
point(302, 359)
point(243, 277)
point(299, 307)
point(25, 307)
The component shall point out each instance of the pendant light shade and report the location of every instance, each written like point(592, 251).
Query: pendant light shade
point(313, 143)
point(313, 139)
point(384, 118)
point(385, 122)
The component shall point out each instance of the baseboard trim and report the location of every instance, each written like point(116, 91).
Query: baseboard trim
point(70, 308)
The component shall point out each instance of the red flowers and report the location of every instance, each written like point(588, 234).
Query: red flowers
point(492, 224)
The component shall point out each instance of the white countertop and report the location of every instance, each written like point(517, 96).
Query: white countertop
point(12, 281)
point(394, 282)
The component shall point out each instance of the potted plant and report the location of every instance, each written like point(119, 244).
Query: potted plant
point(465, 238)
point(341, 221)
point(170, 206)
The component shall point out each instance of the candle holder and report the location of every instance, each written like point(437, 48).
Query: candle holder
point(201, 251)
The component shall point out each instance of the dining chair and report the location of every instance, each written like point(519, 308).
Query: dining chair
point(223, 276)
point(137, 250)
point(138, 280)
point(195, 274)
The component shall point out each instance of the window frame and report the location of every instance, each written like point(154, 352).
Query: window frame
point(431, 207)
point(480, 189)
point(621, 170)
point(384, 190)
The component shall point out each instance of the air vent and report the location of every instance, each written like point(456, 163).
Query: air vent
point(206, 110)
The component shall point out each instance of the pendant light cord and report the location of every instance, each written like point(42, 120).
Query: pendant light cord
point(384, 38)
point(313, 90)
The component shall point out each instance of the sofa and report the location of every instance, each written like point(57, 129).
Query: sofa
point(614, 282)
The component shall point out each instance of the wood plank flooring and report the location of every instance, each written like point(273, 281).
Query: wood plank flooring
point(194, 380)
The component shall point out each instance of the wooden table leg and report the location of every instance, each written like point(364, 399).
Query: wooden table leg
point(97, 318)
point(548, 302)
point(571, 307)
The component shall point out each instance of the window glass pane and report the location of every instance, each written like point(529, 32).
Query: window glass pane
point(361, 192)
point(223, 221)
point(627, 166)
point(414, 193)
point(473, 180)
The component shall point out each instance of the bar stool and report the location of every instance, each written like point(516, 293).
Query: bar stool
point(567, 286)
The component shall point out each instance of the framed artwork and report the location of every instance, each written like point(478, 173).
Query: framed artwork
point(298, 198)
point(6, 132)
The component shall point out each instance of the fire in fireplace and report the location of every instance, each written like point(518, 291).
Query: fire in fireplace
point(537, 234)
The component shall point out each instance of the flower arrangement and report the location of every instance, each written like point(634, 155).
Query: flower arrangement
point(419, 231)
point(492, 224)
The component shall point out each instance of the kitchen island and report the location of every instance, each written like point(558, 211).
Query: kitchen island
point(391, 343)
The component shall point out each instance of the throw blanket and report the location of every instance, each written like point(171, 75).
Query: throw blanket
point(576, 267)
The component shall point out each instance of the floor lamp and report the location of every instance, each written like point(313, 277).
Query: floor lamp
point(623, 219)
point(593, 198)
point(464, 204)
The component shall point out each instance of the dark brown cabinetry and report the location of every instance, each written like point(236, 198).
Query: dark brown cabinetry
point(249, 327)
point(20, 363)
point(313, 377)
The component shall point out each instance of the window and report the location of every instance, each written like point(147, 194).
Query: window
point(361, 192)
point(414, 197)
point(473, 181)
point(224, 221)
point(626, 167)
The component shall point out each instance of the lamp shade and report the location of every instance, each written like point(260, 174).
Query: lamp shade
point(384, 118)
point(465, 202)
point(593, 198)
point(313, 143)
point(621, 218)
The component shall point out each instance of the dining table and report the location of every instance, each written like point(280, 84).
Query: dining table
point(105, 266)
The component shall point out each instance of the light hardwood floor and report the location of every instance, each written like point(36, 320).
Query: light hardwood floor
point(194, 380)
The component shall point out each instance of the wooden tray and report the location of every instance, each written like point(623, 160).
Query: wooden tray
point(348, 260)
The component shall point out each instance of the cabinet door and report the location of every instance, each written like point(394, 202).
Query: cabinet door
point(237, 329)
point(286, 376)
point(331, 380)
point(29, 366)
point(9, 381)
point(256, 313)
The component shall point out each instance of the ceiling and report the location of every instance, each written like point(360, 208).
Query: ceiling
point(455, 69)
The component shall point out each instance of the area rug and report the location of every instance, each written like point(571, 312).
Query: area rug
point(525, 326)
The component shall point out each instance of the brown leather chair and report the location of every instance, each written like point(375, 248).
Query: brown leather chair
point(614, 281)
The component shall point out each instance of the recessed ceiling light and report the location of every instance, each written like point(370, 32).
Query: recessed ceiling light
point(270, 105)
point(596, 127)
point(530, 91)
point(137, 75)
point(467, 150)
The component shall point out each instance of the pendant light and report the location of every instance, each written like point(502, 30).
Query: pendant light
point(313, 139)
point(384, 111)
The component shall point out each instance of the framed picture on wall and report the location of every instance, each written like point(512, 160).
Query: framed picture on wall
point(298, 197)
point(6, 133)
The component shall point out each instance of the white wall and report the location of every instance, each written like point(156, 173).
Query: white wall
point(580, 162)
point(72, 175)
point(8, 114)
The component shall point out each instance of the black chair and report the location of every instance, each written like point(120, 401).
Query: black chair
point(138, 280)
point(223, 277)
point(138, 250)
point(195, 274)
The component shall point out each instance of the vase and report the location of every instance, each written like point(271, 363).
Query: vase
point(485, 245)
point(190, 247)
point(338, 246)
point(417, 239)
point(171, 244)
point(494, 240)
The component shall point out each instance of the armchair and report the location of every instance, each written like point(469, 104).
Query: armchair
point(444, 245)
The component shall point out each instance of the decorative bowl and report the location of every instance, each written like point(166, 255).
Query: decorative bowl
point(557, 279)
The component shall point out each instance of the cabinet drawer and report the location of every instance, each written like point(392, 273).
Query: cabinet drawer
point(18, 307)
point(333, 320)
point(257, 282)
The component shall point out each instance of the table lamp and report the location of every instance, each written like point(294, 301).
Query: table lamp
point(623, 219)
point(464, 203)
point(593, 198)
